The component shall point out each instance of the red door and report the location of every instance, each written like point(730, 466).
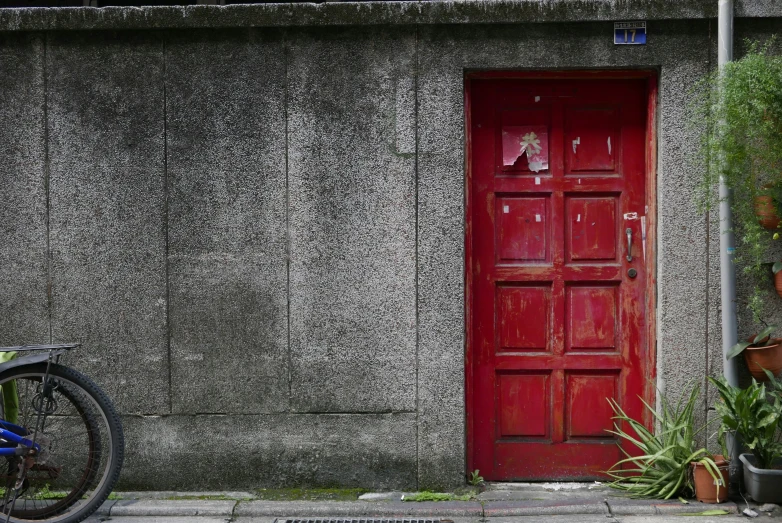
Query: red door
point(557, 284)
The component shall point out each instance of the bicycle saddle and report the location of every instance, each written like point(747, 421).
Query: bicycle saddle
point(56, 346)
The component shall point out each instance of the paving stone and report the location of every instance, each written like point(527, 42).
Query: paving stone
point(621, 507)
point(157, 508)
point(358, 508)
point(541, 507)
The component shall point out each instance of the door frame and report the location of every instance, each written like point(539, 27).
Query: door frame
point(650, 356)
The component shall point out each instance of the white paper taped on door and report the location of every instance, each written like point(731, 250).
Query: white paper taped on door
point(527, 143)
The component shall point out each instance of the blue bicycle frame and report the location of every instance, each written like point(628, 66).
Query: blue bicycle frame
point(11, 433)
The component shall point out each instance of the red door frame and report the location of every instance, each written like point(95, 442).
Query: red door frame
point(650, 358)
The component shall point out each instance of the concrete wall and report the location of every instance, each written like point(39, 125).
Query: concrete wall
point(257, 232)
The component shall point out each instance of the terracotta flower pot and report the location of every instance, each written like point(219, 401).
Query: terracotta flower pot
point(766, 212)
point(768, 357)
point(707, 489)
point(778, 283)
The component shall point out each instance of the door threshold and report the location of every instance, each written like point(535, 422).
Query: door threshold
point(546, 485)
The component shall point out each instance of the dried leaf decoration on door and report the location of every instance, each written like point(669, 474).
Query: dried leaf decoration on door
point(526, 147)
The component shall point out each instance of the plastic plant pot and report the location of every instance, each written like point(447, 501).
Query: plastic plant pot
point(763, 485)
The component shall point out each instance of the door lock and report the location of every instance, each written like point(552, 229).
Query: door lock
point(632, 273)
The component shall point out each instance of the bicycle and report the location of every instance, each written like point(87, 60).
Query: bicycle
point(61, 441)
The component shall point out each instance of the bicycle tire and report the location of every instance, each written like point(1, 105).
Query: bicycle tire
point(100, 445)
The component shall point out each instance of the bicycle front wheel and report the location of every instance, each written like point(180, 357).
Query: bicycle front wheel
point(82, 445)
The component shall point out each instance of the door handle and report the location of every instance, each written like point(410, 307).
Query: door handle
point(629, 233)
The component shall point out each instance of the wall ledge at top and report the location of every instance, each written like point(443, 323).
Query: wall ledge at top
point(332, 13)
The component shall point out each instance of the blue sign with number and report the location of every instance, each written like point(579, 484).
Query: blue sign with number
point(630, 33)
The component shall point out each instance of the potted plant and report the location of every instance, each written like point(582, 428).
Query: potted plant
point(777, 270)
point(761, 353)
point(710, 484)
point(739, 110)
point(767, 206)
point(668, 457)
point(756, 419)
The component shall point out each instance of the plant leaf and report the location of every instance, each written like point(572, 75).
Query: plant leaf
point(712, 512)
point(764, 334)
point(737, 349)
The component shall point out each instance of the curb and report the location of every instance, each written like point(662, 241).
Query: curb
point(494, 509)
point(400, 509)
point(636, 507)
point(359, 508)
point(156, 508)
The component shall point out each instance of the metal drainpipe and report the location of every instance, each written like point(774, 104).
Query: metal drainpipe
point(727, 239)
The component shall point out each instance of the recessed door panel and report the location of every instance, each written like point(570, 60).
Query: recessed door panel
point(557, 210)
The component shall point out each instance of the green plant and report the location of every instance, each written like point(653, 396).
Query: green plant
point(662, 470)
point(774, 384)
point(758, 341)
point(427, 495)
point(753, 416)
point(740, 109)
point(475, 478)
point(45, 493)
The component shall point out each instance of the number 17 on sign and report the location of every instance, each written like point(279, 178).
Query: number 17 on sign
point(630, 33)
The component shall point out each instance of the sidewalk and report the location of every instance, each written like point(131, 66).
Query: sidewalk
point(502, 503)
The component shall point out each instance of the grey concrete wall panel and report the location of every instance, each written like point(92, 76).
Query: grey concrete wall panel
point(371, 13)
point(441, 436)
point(105, 95)
point(24, 314)
point(682, 236)
point(375, 451)
point(227, 221)
point(352, 223)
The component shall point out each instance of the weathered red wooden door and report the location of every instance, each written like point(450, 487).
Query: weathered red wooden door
point(558, 277)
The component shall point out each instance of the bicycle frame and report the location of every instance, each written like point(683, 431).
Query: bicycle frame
point(12, 437)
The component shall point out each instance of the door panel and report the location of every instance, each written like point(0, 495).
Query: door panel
point(558, 176)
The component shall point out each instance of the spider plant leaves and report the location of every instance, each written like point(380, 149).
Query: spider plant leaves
point(764, 334)
point(660, 469)
point(738, 349)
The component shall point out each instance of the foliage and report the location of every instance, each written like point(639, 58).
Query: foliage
point(711, 512)
point(758, 341)
point(45, 493)
point(310, 494)
point(427, 495)
point(475, 478)
point(741, 108)
point(774, 383)
point(753, 416)
point(663, 468)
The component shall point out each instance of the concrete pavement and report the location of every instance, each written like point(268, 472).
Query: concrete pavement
point(518, 503)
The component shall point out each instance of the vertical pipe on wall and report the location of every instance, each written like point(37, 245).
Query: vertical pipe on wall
point(727, 239)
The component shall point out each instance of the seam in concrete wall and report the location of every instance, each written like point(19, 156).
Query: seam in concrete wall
point(48, 254)
point(285, 52)
point(165, 229)
point(417, 262)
